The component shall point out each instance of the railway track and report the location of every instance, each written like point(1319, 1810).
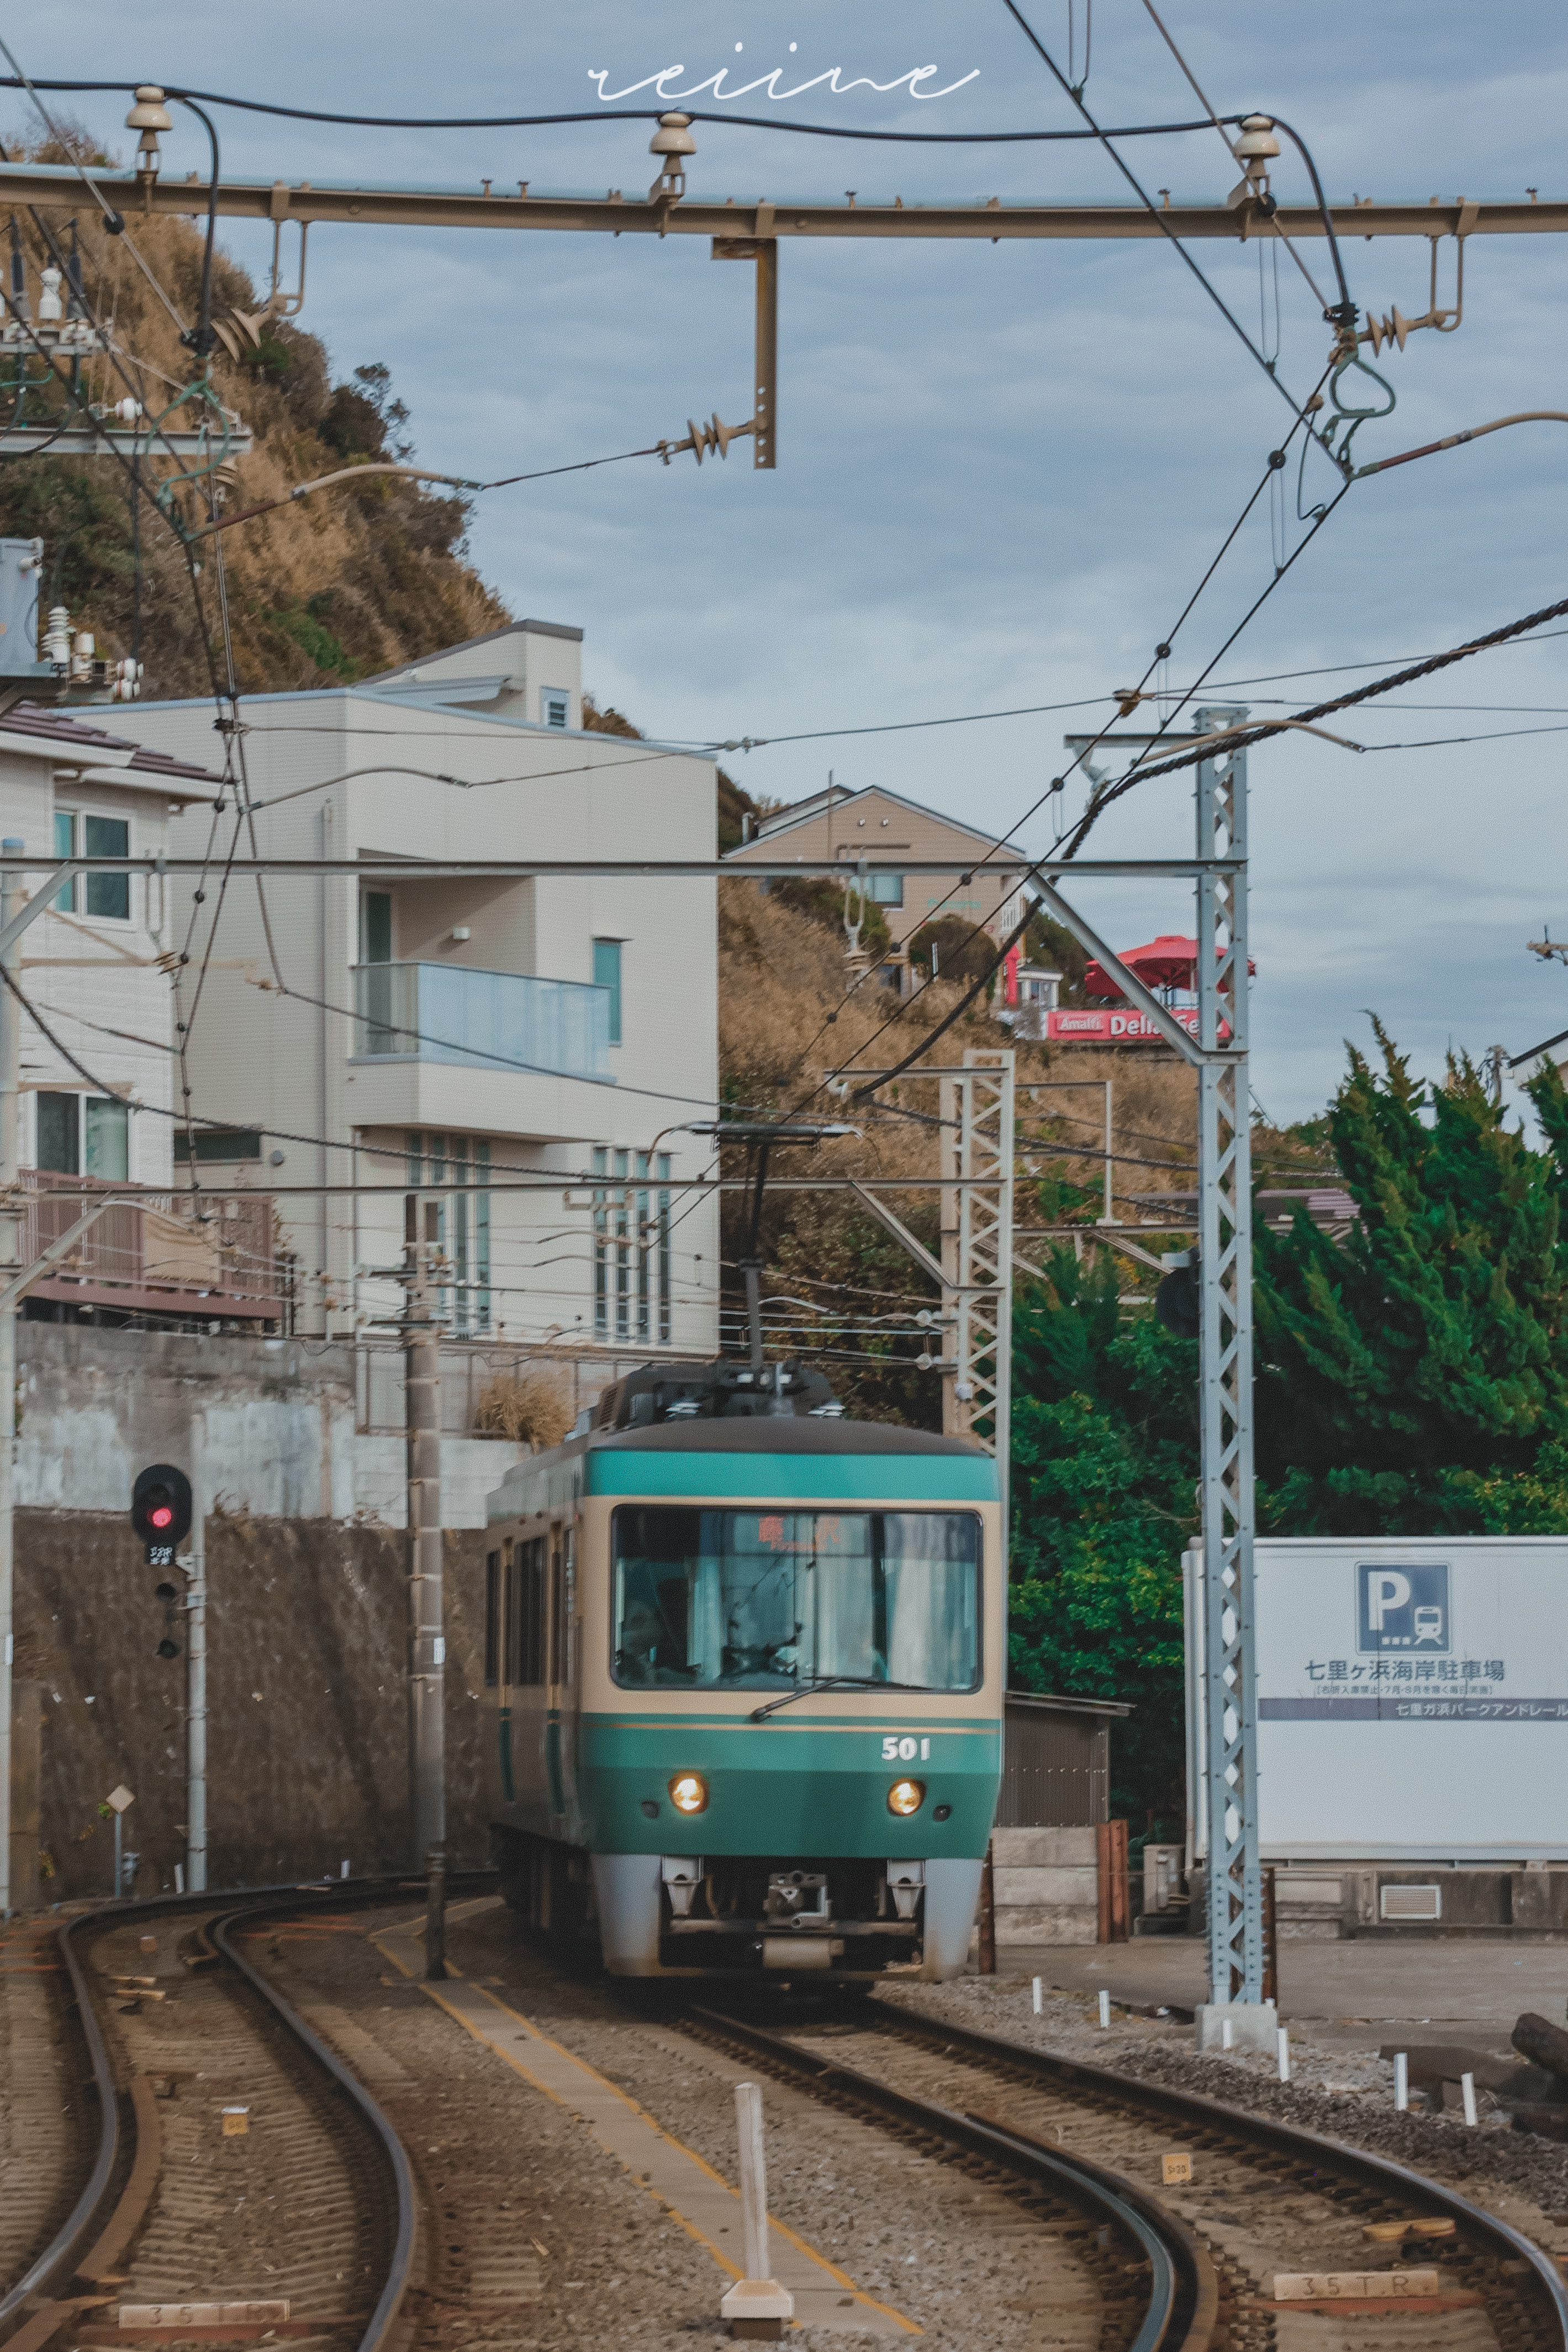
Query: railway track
point(232, 2159)
point(1193, 2261)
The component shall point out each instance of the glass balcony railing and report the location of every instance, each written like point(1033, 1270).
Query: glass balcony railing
point(481, 1020)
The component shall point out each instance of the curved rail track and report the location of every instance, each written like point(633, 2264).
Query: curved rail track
point(301, 2193)
point(1196, 2258)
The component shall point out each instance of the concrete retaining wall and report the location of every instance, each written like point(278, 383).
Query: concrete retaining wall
point(269, 1426)
point(1047, 1885)
point(307, 1707)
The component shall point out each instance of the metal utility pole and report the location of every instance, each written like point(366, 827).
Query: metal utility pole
point(427, 1639)
point(1225, 1297)
point(975, 1272)
point(1219, 1052)
point(977, 1145)
point(10, 1098)
point(193, 1565)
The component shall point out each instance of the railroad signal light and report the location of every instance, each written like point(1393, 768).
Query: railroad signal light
point(161, 1512)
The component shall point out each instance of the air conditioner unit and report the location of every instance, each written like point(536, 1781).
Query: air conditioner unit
point(1407, 1903)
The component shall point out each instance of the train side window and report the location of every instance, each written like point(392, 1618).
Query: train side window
point(511, 1641)
point(492, 1619)
point(532, 1624)
point(556, 1617)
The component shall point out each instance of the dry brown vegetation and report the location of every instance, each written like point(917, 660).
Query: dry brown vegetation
point(833, 1271)
point(531, 1408)
point(337, 587)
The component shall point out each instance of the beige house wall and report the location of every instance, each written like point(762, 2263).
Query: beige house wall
point(882, 826)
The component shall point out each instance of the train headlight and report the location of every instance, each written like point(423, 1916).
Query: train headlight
point(688, 1792)
point(906, 1797)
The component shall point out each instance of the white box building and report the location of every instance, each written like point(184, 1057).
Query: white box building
point(418, 1045)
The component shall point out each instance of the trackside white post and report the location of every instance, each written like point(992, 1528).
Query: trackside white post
point(1401, 2082)
point(1467, 2086)
point(753, 2180)
point(756, 2305)
point(1283, 2045)
point(1039, 1996)
point(1104, 2010)
point(1226, 2034)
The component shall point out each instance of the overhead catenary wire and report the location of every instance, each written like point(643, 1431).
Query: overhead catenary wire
point(1232, 740)
point(1165, 229)
point(630, 114)
point(1161, 652)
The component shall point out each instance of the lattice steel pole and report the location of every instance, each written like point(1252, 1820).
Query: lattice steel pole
point(1224, 1268)
point(977, 1146)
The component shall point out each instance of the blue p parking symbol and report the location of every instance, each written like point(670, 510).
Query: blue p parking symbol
point(1402, 1609)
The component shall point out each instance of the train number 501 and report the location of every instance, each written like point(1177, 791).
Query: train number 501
point(896, 1750)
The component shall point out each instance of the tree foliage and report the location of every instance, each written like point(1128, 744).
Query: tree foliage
point(1413, 1376)
point(1104, 1458)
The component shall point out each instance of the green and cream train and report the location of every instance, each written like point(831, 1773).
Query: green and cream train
point(743, 1671)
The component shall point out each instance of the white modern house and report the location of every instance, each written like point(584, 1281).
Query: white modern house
point(97, 1084)
point(415, 1055)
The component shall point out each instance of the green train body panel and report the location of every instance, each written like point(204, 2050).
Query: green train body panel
point(786, 1787)
point(765, 1478)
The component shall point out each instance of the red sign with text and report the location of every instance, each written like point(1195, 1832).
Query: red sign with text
point(1116, 1024)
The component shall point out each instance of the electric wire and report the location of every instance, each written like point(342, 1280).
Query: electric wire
point(1240, 738)
point(630, 114)
point(1166, 231)
point(1205, 100)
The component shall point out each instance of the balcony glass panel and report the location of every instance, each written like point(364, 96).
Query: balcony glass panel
point(481, 1020)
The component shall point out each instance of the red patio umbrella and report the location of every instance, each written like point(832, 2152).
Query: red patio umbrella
point(1169, 962)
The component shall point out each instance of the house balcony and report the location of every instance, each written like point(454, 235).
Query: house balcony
point(151, 1256)
point(504, 1022)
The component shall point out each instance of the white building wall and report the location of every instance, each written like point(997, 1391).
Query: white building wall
point(95, 979)
point(284, 1061)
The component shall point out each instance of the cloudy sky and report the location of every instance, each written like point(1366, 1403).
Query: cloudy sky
point(1001, 469)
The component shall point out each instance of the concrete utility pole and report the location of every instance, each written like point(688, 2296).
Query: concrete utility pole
point(10, 1082)
point(426, 1639)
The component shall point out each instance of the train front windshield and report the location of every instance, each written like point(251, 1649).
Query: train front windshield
point(768, 1599)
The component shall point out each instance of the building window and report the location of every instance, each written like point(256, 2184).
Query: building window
point(632, 1246)
point(554, 705)
point(607, 975)
point(66, 898)
point(84, 1135)
point(221, 1143)
point(885, 890)
point(375, 927)
point(108, 895)
point(59, 1138)
point(439, 1208)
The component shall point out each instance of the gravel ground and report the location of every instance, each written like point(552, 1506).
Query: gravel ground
point(955, 2256)
point(538, 2237)
point(1346, 2096)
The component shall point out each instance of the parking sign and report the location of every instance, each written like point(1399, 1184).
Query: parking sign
point(1402, 1609)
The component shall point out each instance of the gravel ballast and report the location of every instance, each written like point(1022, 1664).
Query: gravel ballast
point(1344, 2095)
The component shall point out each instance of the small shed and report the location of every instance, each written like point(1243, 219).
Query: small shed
point(1050, 1885)
point(1056, 1761)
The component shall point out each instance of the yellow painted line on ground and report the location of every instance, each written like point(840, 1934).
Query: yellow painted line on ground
point(639, 2142)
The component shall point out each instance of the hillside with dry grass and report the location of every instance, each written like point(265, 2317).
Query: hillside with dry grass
point(839, 1288)
point(332, 589)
